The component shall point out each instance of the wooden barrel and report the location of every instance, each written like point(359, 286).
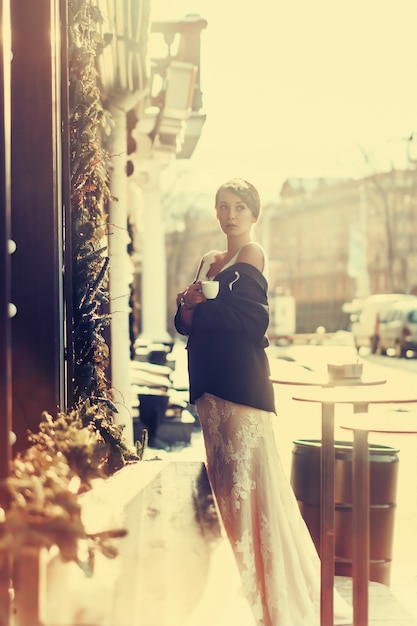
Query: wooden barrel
point(305, 480)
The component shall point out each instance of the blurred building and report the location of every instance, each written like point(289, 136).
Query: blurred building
point(331, 241)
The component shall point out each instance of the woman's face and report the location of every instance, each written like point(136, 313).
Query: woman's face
point(235, 217)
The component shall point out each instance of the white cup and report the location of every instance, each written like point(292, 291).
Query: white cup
point(210, 288)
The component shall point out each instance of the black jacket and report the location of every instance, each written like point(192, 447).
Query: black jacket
point(227, 341)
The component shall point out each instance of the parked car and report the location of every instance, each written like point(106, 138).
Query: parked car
point(398, 328)
point(365, 330)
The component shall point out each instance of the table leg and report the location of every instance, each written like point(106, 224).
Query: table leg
point(360, 407)
point(327, 544)
point(360, 503)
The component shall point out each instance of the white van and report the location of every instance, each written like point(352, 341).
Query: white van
point(398, 329)
point(365, 330)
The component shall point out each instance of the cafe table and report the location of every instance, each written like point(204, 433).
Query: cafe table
point(391, 421)
point(360, 394)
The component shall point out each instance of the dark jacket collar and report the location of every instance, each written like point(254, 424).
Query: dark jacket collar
point(244, 268)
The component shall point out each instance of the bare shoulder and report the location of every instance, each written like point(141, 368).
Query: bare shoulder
point(253, 254)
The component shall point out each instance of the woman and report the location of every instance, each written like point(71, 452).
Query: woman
point(230, 386)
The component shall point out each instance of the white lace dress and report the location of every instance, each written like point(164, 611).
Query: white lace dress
point(279, 565)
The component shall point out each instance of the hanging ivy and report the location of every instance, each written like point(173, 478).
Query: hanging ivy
point(90, 191)
point(89, 194)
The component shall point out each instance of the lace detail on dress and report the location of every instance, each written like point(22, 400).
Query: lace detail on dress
point(279, 566)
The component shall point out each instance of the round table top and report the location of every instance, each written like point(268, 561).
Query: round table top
point(363, 394)
point(391, 421)
point(314, 380)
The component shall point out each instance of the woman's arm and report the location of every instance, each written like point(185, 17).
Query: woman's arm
point(187, 300)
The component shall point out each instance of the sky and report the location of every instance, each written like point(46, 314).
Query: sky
point(300, 88)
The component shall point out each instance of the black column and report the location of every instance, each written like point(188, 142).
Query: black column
point(36, 209)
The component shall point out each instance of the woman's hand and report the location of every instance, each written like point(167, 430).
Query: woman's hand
point(192, 296)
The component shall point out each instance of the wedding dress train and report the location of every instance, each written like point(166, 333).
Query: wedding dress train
point(278, 562)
